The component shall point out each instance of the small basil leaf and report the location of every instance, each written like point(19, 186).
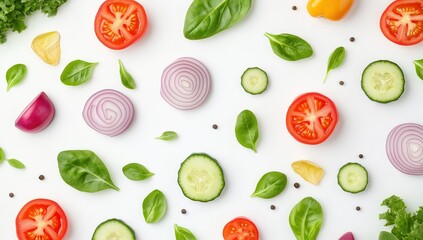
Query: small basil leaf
point(16, 163)
point(77, 72)
point(306, 218)
point(136, 172)
point(15, 75)
point(84, 171)
point(335, 60)
point(182, 233)
point(270, 185)
point(168, 135)
point(154, 206)
point(246, 129)
point(289, 47)
point(419, 68)
point(2, 155)
point(387, 236)
point(126, 78)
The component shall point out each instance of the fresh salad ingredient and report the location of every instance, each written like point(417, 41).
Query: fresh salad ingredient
point(168, 136)
point(11, 161)
point(109, 112)
point(200, 177)
point(289, 47)
point(182, 233)
point(84, 171)
point(37, 115)
point(15, 75)
point(185, 83)
point(206, 18)
point(14, 12)
point(247, 130)
point(311, 118)
point(154, 206)
point(125, 77)
point(335, 60)
point(306, 219)
point(383, 81)
point(308, 170)
point(77, 72)
point(404, 148)
point(353, 178)
point(254, 80)
point(136, 172)
point(240, 228)
point(115, 229)
point(330, 9)
point(418, 64)
point(41, 219)
point(120, 23)
point(406, 225)
point(270, 185)
point(402, 22)
point(347, 236)
point(47, 47)
point(383, 235)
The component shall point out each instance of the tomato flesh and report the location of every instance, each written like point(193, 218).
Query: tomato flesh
point(41, 219)
point(240, 229)
point(311, 118)
point(119, 23)
point(402, 22)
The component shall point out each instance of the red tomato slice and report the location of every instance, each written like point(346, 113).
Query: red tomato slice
point(119, 23)
point(240, 229)
point(41, 219)
point(311, 118)
point(402, 22)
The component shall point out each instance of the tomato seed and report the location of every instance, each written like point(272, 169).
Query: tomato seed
point(11, 195)
point(272, 207)
point(296, 185)
point(183, 211)
point(41, 177)
point(214, 126)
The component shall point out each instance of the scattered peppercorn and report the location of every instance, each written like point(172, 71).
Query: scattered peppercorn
point(11, 195)
point(358, 208)
point(296, 185)
point(272, 207)
point(360, 155)
point(41, 177)
point(341, 83)
point(183, 211)
point(215, 126)
point(352, 39)
point(294, 8)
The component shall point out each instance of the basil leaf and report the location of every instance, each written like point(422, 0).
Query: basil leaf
point(2, 156)
point(126, 78)
point(168, 135)
point(77, 72)
point(182, 233)
point(246, 129)
point(306, 219)
point(206, 18)
point(335, 60)
point(289, 47)
point(84, 171)
point(15, 75)
point(419, 68)
point(270, 185)
point(16, 163)
point(136, 172)
point(387, 236)
point(154, 206)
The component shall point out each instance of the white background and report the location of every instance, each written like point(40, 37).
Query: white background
point(362, 128)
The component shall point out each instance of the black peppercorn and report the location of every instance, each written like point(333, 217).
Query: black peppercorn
point(341, 83)
point(296, 185)
point(294, 8)
point(358, 208)
point(41, 177)
point(352, 39)
point(360, 155)
point(11, 195)
point(183, 211)
point(214, 126)
point(272, 207)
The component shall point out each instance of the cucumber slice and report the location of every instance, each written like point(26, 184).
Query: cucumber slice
point(353, 178)
point(201, 178)
point(254, 80)
point(113, 229)
point(383, 81)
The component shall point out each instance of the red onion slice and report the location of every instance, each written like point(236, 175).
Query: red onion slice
point(404, 147)
point(185, 83)
point(109, 112)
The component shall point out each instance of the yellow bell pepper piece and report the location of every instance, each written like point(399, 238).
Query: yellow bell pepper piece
point(330, 9)
point(47, 47)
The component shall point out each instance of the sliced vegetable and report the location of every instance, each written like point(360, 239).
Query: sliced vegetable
point(270, 185)
point(77, 72)
point(246, 129)
point(182, 233)
point(16, 163)
point(347, 236)
point(240, 228)
point(306, 219)
point(37, 115)
point(47, 47)
point(404, 148)
point(109, 112)
point(41, 219)
point(383, 81)
point(154, 206)
point(254, 80)
point(308, 170)
point(125, 77)
point(15, 75)
point(168, 136)
point(185, 83)
point(206, 18)
point(418, 64)
point(115, 229)
point(200, 177)
point(335, 60)
point(289, 47)
point(120, 23)
point(330, 9)
point(136, 172)
point(353, 178)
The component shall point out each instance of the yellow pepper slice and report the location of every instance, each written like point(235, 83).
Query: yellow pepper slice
point(329, 9)
point(47, 47)
point(308, 170)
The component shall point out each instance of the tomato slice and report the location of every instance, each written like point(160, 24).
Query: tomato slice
point(41, 219)
point(311, 118)
point(402, 22)
point(119, 23)
point(240, 229)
